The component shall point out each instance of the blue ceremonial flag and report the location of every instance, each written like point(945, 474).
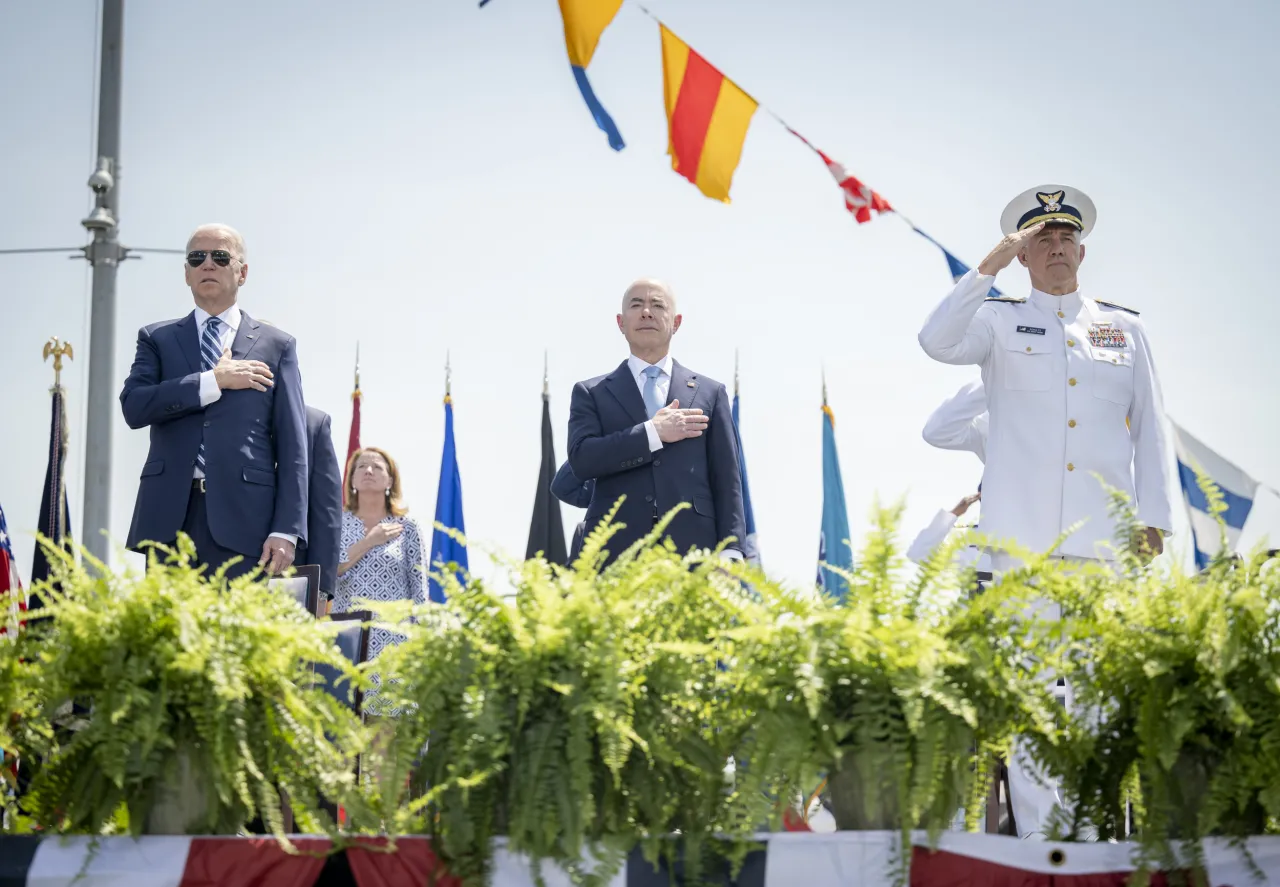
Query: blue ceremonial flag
point(444, 548)
point(957, 268)
point(1237, 488)
point(833, 546)
point(750, 546)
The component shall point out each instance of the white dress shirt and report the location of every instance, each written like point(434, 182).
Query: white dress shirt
point(960, 422)
point(209, 390)
point(1062, 375)
point(663, 386)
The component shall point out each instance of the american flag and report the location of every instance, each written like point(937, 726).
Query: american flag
point(12, 599)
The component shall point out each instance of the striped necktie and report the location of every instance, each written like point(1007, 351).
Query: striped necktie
point(210, 354)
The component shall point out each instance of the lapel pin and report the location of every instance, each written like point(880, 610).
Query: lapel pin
point(692, 384)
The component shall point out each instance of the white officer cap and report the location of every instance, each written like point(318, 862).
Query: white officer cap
point(1050, 203)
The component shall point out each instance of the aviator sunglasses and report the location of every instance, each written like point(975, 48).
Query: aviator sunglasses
point(196, 257)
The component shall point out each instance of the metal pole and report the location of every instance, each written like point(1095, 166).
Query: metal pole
point(104, 254)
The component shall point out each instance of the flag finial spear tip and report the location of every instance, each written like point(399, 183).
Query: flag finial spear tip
point(448, 376)
point(546, 384)
point(735, 372)
point(824, 385)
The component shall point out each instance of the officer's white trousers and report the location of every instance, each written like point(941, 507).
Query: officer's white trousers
point(1033, 796)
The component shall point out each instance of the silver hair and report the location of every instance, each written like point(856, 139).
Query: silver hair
point(225, 231)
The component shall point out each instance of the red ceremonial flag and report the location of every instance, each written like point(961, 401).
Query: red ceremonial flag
point(12, 600)
point(859, 200)
point(353, 439)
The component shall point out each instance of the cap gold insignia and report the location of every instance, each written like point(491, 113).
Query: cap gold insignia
point(1052, 202)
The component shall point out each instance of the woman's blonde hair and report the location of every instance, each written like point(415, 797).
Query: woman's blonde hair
point(395, 505)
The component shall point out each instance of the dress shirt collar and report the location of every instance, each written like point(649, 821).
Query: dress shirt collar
point(1069, 304)
point(231, 317)
point(638, 366)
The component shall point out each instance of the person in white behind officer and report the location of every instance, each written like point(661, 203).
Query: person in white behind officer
point(1070, 385)
point(958, 423)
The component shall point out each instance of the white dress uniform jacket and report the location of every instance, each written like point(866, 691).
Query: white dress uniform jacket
point(960, 422)
point(1062, 374)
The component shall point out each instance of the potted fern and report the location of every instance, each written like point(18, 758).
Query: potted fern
point(593, 713)
point(1176, 680)
point(201, 707)
point(904, 693)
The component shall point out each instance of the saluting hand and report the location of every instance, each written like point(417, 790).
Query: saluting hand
point(673, 423)
point(230, 373)
point(964, 504)
point(1007, 249)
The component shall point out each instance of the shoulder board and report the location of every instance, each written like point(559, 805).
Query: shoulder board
point(1118, 307)
point(1013, 299)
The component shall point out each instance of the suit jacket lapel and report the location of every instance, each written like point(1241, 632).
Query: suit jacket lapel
point(246, 337)
point(684, 386)
point(189, 340)
point(624, 390)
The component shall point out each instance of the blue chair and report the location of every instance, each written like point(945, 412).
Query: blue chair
point(305, 587)
point(353, 640)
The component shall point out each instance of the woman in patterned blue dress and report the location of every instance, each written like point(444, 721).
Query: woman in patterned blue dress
point(383, 557)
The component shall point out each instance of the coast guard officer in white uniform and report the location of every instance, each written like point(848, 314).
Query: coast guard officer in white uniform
point(1071, 392)
point(1070, 386)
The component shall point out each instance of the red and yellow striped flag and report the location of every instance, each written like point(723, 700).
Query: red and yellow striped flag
point(707, 118)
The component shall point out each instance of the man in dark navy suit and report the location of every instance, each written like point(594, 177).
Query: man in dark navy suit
point(659, 434)
point(324, 501)
point(222, 395)
point(566, 487)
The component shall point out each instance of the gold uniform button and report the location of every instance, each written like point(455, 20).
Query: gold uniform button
point(1060, 314)
point(1071, 343)
point(1028, 349)
point(1071, 466)
point(1071, 423)
point(1071, 382)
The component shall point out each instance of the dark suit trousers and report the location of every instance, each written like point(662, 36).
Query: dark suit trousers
point(208, 551)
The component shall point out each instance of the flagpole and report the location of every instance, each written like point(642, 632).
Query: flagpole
point(105, 254)
point(57, 349)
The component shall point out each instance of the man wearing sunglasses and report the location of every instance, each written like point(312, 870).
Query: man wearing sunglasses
point(222, 395)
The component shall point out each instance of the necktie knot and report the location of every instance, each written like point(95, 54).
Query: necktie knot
point(653, 372)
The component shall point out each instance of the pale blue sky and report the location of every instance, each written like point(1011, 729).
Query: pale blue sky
point(424, 176)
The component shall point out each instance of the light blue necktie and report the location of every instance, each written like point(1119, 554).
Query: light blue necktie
point(210, 354)
point(652, 401)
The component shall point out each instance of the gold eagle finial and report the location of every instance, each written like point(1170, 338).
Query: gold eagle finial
point(58, 349)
